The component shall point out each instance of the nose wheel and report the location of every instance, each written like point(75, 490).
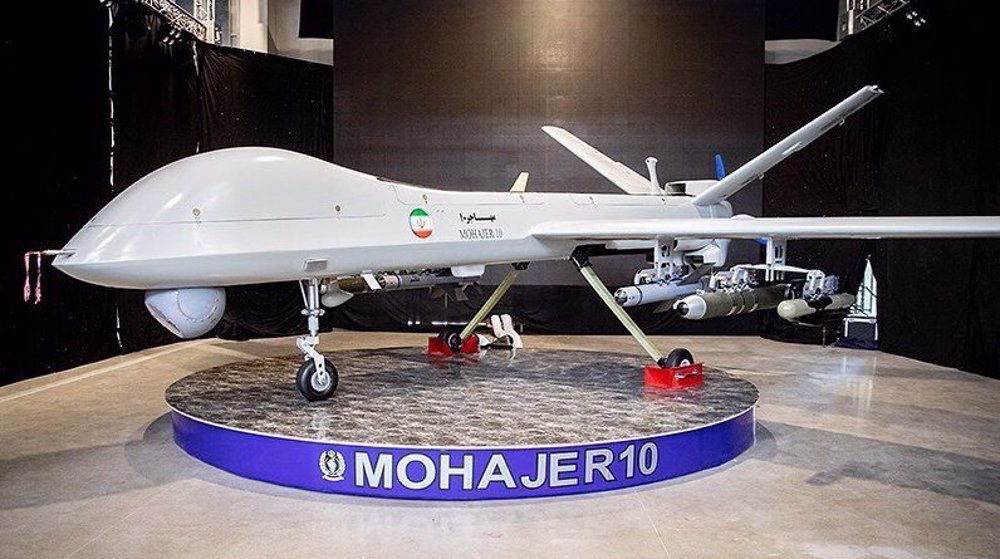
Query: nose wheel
point(317, 377)
point(314, 384)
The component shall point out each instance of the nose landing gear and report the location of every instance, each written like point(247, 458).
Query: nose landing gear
point(317, 377)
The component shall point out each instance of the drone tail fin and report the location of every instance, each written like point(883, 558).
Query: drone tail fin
point(756, 167)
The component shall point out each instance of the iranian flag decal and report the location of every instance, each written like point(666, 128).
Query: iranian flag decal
point(421, 224)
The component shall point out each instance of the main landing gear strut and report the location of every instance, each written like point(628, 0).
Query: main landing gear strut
point(317, 377)
point(677, 358)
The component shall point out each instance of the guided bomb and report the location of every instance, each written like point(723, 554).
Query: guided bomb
point(728, 303)
point(794, 309)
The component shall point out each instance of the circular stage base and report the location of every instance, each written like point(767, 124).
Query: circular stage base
point(499, 425)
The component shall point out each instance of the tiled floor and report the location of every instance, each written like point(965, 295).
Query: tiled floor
point(859, 454)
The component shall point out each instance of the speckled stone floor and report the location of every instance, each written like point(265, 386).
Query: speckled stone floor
point(401, 396)
point(859, 454)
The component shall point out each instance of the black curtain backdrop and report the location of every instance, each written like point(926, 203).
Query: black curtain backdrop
point(56, 163)
point(940, 154)
point(802, 19)
point(170, 101)
point(929, 146)
point(254, 99)
point(316, 19)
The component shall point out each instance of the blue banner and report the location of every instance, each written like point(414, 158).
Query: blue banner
point(469, 473)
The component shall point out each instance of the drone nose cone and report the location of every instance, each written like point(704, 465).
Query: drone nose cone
point(90, 255)
point(682, 308)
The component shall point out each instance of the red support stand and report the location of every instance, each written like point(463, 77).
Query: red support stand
point(437, 347)
point(674, 377)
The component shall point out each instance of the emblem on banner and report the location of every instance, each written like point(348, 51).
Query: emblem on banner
point(332, 464)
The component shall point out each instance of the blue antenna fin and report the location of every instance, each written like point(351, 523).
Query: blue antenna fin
point(720, 167)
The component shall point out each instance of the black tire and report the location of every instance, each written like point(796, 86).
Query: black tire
point(304, 381)
point(452, 337)
point(679, 357)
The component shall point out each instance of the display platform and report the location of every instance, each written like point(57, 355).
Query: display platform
point(497, 425)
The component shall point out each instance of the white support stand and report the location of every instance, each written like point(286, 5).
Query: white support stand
point(503, 328)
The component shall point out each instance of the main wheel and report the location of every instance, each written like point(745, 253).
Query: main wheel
point(679, 357)
point(311, 386)
point(452, 337)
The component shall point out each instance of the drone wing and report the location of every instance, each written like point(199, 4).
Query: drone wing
point(776, 227)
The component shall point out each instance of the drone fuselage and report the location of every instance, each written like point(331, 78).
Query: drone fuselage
point(260, 215)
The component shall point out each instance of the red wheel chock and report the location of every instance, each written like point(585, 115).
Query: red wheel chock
point(674, 377)
point(435, 346)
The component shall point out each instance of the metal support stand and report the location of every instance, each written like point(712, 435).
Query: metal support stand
point(310, 289)
point(495, 297)
point(582, 262)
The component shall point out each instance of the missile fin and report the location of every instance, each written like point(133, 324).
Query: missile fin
point(666, 305)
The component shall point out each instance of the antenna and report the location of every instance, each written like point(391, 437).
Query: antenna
point(654, 183)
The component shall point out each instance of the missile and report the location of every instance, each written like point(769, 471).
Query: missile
point(654, 292)
point(728, 303)
point(353, 284)
point(794, 309)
